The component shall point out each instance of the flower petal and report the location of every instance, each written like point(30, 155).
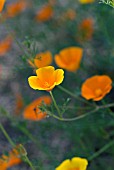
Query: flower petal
point(34, 82)
point(59, 76)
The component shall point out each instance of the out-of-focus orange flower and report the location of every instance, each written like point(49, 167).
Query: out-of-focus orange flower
point(86, 1)
point(69, 58)
point(11, 160)
point(96, 87)
point(75, 163)
point(45, 13)
point(5, 45)
point(32, 111)
point(19, 103)
point(15, 8)
point(85, 30)
point(3, 164)
point(71, 14)
point(41, 60)
point(2, 2)
point(47, 78)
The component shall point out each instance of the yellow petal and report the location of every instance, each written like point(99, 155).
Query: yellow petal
point(59, 76)
point(33, 82)
point(45, 74)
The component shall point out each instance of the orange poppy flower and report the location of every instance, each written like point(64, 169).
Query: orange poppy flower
point(11, 160)
point(5, 45)
point(41, 60)
point(15, 8)
point(2, 2)
point(47, 78)
point(86, 1)
point(3, 164)
point(32, 111)
point(45, 13)
point(75, 163)
point(96, 87)
point(85, 30)
point(69, 58)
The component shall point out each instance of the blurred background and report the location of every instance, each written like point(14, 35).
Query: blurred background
point(51, 25)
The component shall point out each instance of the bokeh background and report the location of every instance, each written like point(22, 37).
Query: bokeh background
point(48, 142)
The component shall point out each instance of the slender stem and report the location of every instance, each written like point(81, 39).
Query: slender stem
point(108, 108)
point(55, 104)
point(13, 145)
point(6, 135)
point(74, 118)
point(29, 163)
point(73, 95)
point(100, 151)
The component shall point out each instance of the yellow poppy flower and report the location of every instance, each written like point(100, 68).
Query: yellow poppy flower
point(96, 87)
point(86, 1)
point(75, 163)
point(46, 78)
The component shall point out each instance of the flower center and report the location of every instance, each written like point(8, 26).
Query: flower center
point(98, 92)
point(75, 168)
point(46, 84)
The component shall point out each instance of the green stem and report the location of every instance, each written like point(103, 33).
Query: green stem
point(13, 145)
point(55, 104)
point(74, 118)
point(6, 135)
point(108, 108)
point(73, 95)
point(103, 149)
point(29, 162)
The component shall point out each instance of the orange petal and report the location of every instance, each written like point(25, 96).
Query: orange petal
point(32, 112)
point(43, 59)
point(69, 58)
point(96, 87)
point(45, 74)
point(2, 2)
point(45, 13)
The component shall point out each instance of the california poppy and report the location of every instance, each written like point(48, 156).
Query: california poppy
point(33, 112)
point(96, 87)
point(12, 159)
point(85, 30)
point(69, 58)
point(75, 163)
point(15, 8)
point(2, 2)
point(45, 13)
point(86, 1)
point(46, 78)
point(41, 60)
point(5, 45)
